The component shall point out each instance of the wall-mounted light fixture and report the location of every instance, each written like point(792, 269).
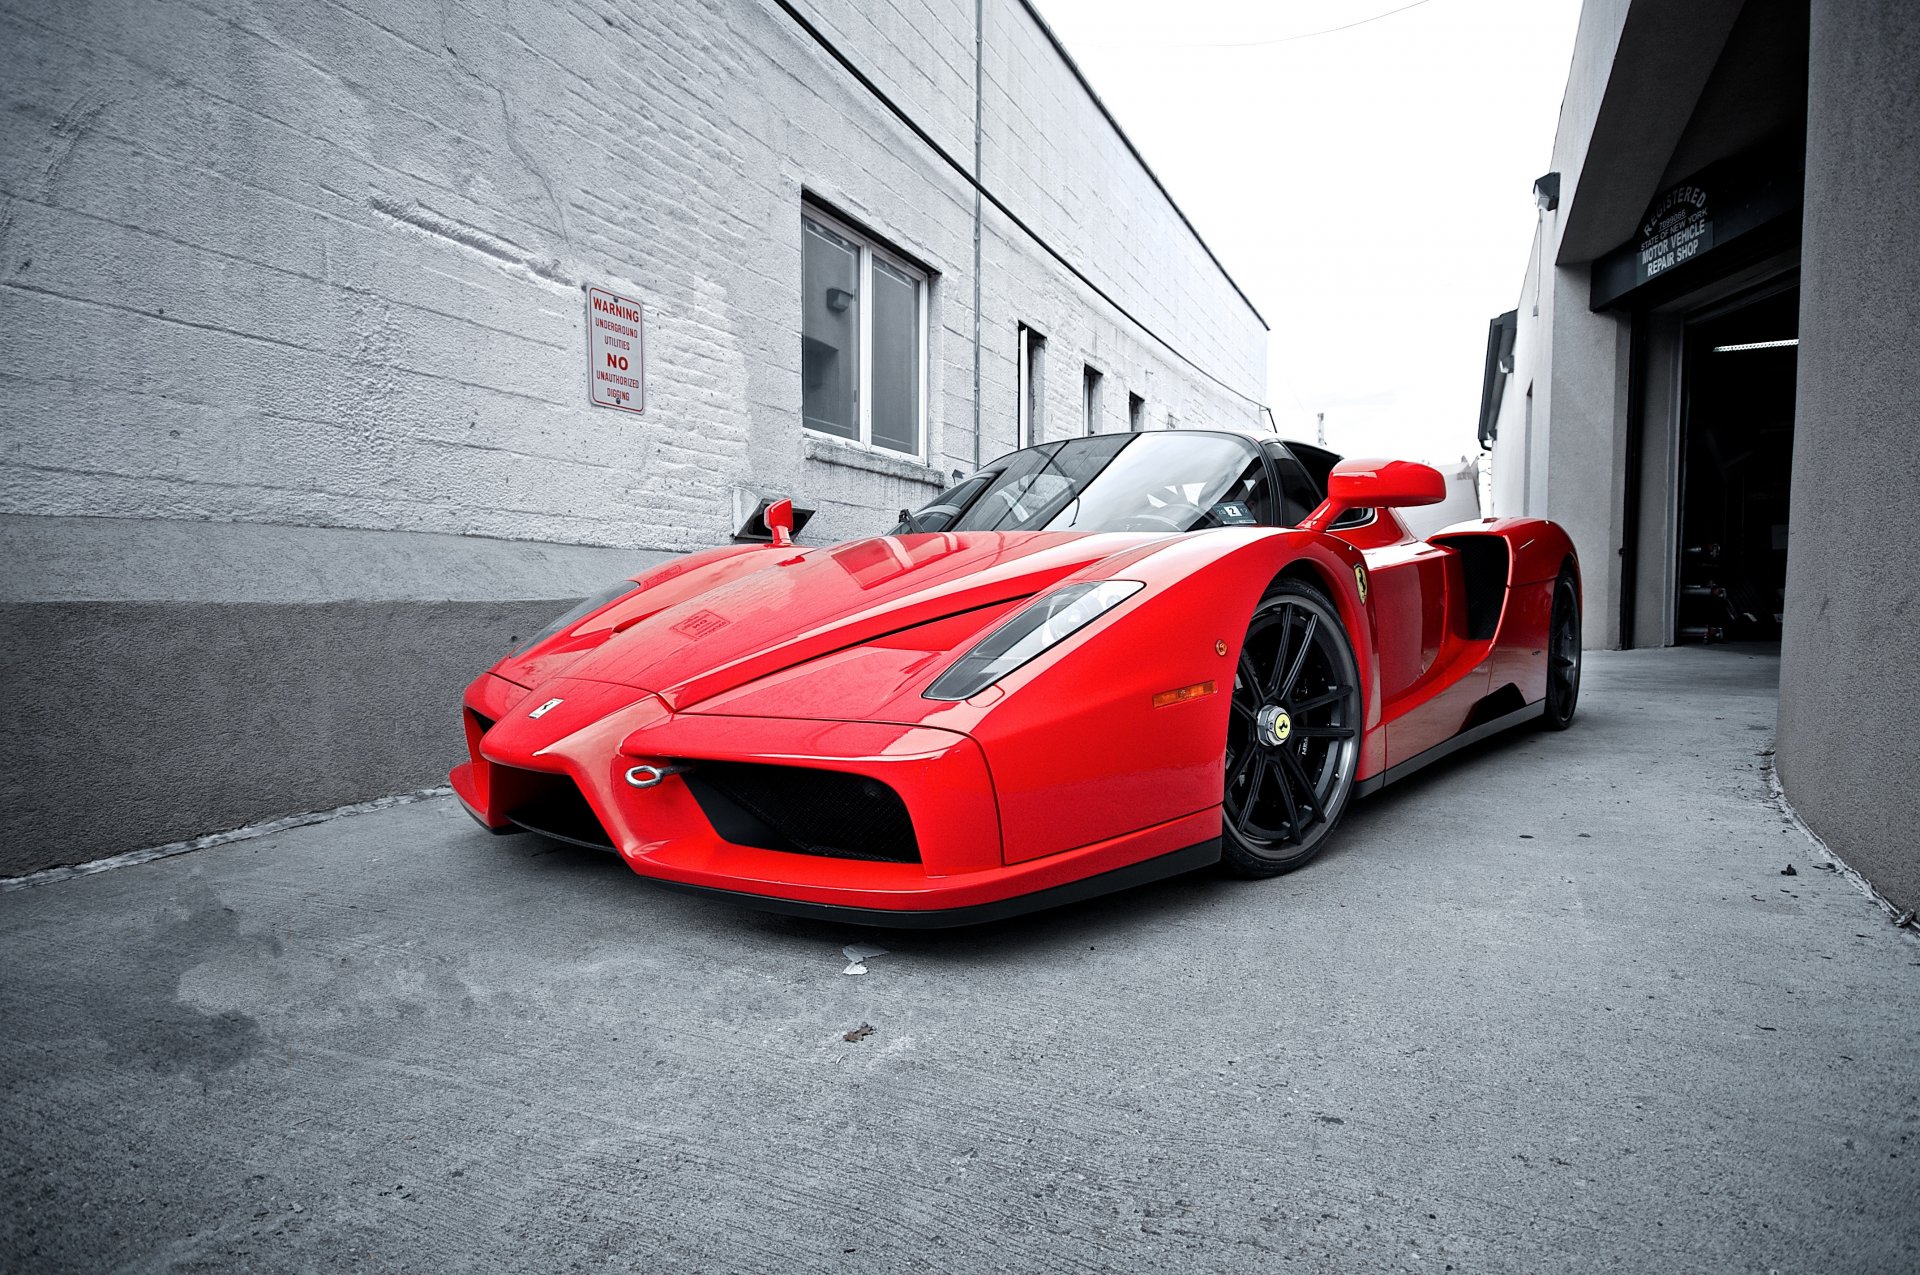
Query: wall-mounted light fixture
point(838, 299)
point(1757, 345)
point(1546, 192)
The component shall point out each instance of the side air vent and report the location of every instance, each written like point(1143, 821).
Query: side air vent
point(1491, 708)
point(1484, 561)
point(805, 811)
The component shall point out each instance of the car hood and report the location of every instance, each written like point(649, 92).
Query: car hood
point(808, 603)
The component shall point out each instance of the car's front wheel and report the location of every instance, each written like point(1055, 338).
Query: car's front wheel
point(1293, 734)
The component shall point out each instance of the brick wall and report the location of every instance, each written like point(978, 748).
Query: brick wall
point(320, 266)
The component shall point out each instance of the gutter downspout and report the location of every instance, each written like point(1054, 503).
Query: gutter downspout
point(979, 95)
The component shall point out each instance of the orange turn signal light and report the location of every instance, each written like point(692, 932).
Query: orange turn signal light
point(1185, 693)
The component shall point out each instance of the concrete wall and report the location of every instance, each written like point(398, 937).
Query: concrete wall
point(159, 670)
point(1574, 360)
point(319, 268)
point(1849, 749)
point(1655, 90)
point(1848, 752)
point(1508, 485)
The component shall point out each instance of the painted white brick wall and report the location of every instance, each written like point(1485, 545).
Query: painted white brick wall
point(321, 264)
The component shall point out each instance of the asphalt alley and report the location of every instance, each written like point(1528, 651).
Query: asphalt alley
point(1550, 1006)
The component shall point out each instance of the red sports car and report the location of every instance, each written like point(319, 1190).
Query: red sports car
point(1094, 663)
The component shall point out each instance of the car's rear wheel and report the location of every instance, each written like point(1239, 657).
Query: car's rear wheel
point(1293, 734)
point(1563, 654)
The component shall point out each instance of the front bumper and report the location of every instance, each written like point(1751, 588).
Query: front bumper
point(963, 873)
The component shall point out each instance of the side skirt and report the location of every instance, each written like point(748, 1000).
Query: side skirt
point(1483, 731)
point(1202, 855)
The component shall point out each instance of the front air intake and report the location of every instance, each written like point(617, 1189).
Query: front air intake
point(552, 806)
point(803, 811)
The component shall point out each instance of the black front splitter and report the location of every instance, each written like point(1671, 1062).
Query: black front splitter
point(1204, 854)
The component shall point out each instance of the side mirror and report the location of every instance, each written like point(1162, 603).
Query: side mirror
point(1377, 484)
point(779, 518)
point(773, 522)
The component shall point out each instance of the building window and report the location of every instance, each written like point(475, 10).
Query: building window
point(1090, 398)
point(863, 339)
point(1136, 413)
point(1032, 357)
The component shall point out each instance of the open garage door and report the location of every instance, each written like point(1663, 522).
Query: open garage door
point(1737, 464)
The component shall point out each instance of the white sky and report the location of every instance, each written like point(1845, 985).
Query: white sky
point(1370, 189)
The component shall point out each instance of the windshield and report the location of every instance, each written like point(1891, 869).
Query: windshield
point(1109, 482)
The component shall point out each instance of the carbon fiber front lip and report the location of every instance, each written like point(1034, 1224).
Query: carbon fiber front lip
point(1200, 855)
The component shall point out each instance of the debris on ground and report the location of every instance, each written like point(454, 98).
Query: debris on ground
point(858, 954)
point(1788, 871)
point(859, 1033)
point(1904, 920)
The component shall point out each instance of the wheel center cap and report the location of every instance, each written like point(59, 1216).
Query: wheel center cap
point(1273, 725)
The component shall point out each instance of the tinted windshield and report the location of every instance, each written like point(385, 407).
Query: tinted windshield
point(1110, 482)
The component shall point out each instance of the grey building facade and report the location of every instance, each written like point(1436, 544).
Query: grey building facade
point(309, 414)
point(1710, 377)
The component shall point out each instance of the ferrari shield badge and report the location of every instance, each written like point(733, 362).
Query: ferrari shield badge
point(1274, 726)
point(545, 708)
point(1360, 581)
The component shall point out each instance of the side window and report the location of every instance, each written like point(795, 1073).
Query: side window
point(944, 509)
point(863, 358)
point(1090, 398)
point(1299, 494)
point(1032, 376)
point(1317, 464)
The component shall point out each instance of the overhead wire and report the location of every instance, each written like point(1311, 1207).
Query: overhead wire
point(927, 139)
point(1255, 44)
point(1281, 39)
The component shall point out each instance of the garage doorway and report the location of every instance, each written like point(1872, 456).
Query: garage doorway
point(1736, 469)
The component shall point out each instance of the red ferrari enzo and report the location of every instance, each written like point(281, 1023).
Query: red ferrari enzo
point(1092, 664)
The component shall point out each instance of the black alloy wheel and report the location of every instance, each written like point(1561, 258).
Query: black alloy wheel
point(1293, 733)
point(1563, 654)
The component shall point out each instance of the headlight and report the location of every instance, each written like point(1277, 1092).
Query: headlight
point(1051, 619)
point(611, 594)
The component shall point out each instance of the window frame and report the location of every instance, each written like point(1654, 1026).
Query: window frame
point(870, 247)
point(1030, 380)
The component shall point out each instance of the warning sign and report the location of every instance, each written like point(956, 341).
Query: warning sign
point(616, 352)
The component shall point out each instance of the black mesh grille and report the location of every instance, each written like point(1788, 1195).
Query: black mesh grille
point(819, 812)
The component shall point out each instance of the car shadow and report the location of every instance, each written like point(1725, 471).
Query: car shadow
point(1188, 899)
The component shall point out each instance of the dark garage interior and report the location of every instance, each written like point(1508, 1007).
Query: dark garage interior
point(1738, 461)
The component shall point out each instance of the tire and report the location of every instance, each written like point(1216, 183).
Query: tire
point(1563, 655)
point(1293, 734)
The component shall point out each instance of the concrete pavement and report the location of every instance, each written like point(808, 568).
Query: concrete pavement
point(1548, 1006)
